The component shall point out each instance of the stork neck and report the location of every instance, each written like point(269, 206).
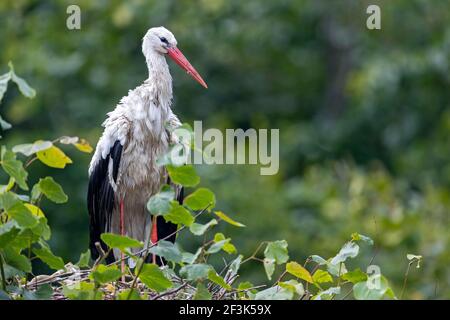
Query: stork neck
point(159, 78)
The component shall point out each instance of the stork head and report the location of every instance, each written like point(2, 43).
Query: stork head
point(161, 41)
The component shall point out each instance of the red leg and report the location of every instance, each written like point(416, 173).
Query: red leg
point(154, 235)
point(122, 233)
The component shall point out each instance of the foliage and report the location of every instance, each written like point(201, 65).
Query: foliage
point(24, 233)
point(363, 117)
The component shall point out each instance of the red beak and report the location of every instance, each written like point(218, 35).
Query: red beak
point(181, 60)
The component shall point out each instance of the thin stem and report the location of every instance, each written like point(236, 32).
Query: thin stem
point(2, 270)
point(169, 292)
point(280, 277)
point(253, 256)
point(405, 279)
point(30, 162)
point(339, 279)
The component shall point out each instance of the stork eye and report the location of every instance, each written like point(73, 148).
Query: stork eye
point(163, 39)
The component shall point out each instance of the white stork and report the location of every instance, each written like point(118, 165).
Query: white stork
point(123, 173)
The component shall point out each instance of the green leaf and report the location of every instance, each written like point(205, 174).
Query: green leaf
point(359, 237)
point(159, 204)
point(30, 148)
point(274, 293)
point(8, 199)
point(52, 190)
point(7, 235)
point(4, 79)
point(244, 290)
point(217, 246)
point(126, 293)
point(43, 292)
point(318, 259)
point(321, 276)
point(184, 175)
point(22, 215)
point(49, 258)
point(54, 157)
point(269, 267)
point(179, 215)
point(85, 257)
point(235, 264)
point(245, 285)
point(202, 292)
point(16, 260)
point(14, 168)
point(120, 242)
point(36, 211)
point(200, 199)
point(167, 250)
point(220, 242)
point(327, 294)
point(199, 229)
point(104, 274)
point(336, 270)
point(4, 125)
point(24, 238)
point(35, 192)
point(299, 271)
point(227, 219)
point(277, 251)
point(217, 279)
point(154, 278)
point(349, 250)
point(190, 258)
point(374, 288)
point(294, 286)
point(82, 291)
point(42, 229)
point(195, 272)
point(7, 187)
point(24, 87)
point(354, 276)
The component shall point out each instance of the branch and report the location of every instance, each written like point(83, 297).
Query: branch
point(170, 292)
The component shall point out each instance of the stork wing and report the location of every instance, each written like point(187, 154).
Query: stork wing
point(101, 196)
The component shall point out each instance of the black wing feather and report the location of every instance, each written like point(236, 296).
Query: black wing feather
point(101, 198)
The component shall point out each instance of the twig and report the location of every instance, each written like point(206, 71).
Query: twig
point(406, 278)
point(280, 277)
point(102, 254)
point(377, 248)
point(2, 270)
point(170, 292)
point(347, 294)
point(253, 256)
point(248, 289)
point(29, 162)
point(312, 272)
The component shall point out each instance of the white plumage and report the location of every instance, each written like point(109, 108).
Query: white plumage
point(141, 123)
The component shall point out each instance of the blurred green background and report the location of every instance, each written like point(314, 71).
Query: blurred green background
point(364, 116)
